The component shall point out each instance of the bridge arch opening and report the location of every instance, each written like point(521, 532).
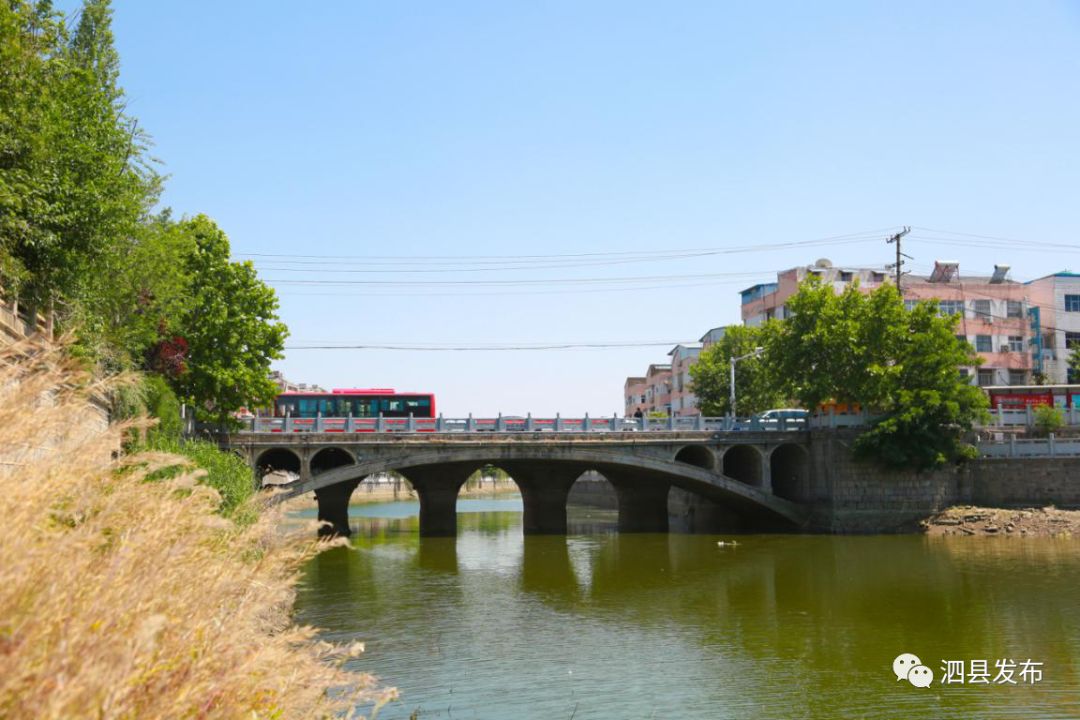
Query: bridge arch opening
point(282, 464)
point(790, 472)
point(491, 480)
point(743, 463)
point(696, 455)
point(330, 458)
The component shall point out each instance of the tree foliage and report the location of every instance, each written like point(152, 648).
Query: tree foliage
point(901, 365)
point(756, 387)
point(74, 173)
point(77, 186)
point(1074, 358)
point(230, 326)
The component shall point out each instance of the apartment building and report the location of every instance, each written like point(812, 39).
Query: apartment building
point(711, 338)
point(1055, 324)
point(993, 309)
point(650, 393)
point(285, 385)
point(683, 400)
point(658, 389)
point(634, 395)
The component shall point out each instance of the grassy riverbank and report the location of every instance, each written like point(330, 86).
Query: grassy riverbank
point(124, 597)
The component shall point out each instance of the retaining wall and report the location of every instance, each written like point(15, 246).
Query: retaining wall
point(855, 497)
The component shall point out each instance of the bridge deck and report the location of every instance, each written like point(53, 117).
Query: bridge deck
point(515, 425)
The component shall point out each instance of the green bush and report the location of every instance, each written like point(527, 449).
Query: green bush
point(1048, 419)
point(162, 404)
point(225, 472)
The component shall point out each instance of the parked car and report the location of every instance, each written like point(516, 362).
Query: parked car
point(792, 418)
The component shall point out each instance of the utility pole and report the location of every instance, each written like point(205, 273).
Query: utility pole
point(899, 263)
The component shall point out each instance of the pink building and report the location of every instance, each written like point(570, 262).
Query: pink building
point(658, 389)
point(683, 400)
point(994, 310)
point(634, 394)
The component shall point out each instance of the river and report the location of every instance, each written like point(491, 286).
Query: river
point(597, 625)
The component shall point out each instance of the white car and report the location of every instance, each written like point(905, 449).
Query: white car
point(792, 418)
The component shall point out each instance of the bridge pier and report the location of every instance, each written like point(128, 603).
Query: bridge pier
point(543, 495)
point(642, 503)
point(334, 508)
point(437, 488)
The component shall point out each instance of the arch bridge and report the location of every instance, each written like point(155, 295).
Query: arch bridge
point(761, 476)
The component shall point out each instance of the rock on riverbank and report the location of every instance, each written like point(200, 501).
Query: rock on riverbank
point(1030, 522)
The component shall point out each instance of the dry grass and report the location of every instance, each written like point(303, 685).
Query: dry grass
point(121, 598)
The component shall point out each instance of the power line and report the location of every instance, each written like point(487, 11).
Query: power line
point(1008, 242)
point(489, 347)
point(518, 282)
point(501, 293)
point(642, 254)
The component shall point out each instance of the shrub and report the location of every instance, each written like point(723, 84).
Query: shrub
point(224, 471)
point(1048, 419)
point(161, 403)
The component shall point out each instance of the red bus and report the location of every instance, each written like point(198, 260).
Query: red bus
point(358, 402)
point(1018, 397)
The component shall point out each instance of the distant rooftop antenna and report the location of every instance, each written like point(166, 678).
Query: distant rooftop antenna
point(1001, 273)
point(945, 271)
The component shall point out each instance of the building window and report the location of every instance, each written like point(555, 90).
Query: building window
point(1072, 340)
point(1014, 309)
point(845, 276)
point(1018, 377)
point(910, 305)
point(986, 377)
point(951, 307)
point(983, 343)
point(1072, 303)
point(1016, 343)
point(962, 338)
point(965, 375)
point(982, 309)
point(878, 277)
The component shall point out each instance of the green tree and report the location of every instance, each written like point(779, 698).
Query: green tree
point(1048, 419)
point(904, 366)
point(74, 174)
point(229, 328)
point(756, 388)
point(1074, 358)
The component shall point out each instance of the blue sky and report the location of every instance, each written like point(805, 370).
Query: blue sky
point(492, 128)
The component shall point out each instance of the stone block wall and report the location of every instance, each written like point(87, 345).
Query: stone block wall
point(848, 496)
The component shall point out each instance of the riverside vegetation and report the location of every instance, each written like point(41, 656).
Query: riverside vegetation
point(140, 578)
point(901, 364)
point(82, 240)
point(127, 588)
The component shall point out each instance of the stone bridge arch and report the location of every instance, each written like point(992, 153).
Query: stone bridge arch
point(544, 474)
point(277, 459)
point(790, 470)
point(744, 463)
point(697, 455)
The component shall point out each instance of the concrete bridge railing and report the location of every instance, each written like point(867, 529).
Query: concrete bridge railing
point(513, 424)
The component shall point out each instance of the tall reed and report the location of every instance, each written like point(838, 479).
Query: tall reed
point(123, 598)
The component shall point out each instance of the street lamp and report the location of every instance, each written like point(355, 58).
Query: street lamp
point(757, 351)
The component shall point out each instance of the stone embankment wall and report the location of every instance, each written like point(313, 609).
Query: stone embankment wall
point(855, 497)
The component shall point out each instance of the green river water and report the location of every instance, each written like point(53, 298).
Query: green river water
point(595, 624)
